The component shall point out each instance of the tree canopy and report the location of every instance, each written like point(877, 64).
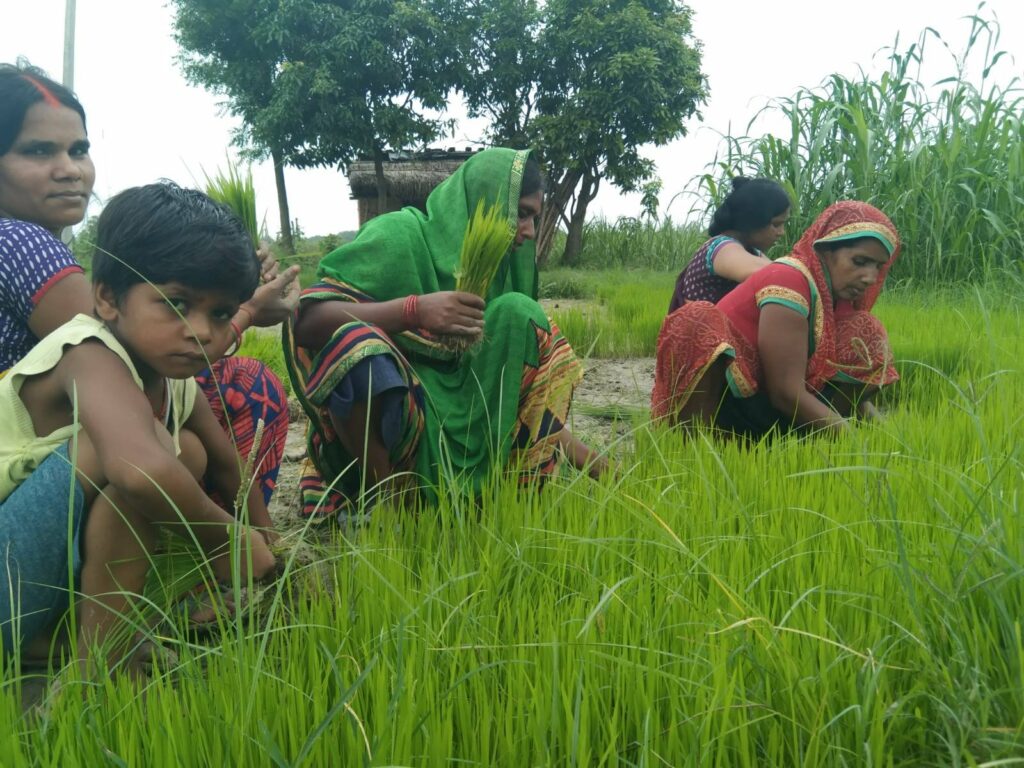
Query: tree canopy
point(599, 81)
point(588, 83)
point(225, 49)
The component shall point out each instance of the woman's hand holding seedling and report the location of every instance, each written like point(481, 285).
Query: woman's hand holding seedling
point(451, 312)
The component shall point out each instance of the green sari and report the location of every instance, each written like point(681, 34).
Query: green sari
point(466, 413)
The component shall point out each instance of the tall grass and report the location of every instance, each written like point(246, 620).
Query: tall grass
point(804, 602)
point(946, 162)
point(635, 244)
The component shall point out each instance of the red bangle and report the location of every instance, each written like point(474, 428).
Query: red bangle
point(410, 312)
point(252, 317)
point(238, 339)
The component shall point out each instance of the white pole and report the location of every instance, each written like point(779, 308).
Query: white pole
point(69, 44)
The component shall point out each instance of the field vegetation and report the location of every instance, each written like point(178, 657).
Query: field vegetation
point(819, 602)
point(838, 602)
point(946, 158)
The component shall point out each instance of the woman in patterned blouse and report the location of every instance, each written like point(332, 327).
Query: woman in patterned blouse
point(46, 178)
point(792, 347)
point(746, 225)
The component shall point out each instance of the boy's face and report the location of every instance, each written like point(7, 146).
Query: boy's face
point(170, 329)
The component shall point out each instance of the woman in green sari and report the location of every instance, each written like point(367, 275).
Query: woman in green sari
point(385, 394)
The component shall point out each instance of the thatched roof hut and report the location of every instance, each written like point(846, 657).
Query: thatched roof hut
point(409, 178)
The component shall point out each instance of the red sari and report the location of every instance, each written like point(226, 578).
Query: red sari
point(845, 342)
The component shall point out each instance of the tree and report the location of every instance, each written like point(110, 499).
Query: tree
point(226, 49)
point(503, 69)
point(610, 77)
point(360, 76)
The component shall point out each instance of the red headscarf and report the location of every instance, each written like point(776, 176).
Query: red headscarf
point(846, 220)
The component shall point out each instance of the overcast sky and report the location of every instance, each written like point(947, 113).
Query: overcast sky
point(146, 122)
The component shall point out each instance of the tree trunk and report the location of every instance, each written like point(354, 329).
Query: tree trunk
point(554, 211)
point(574, 238)
point(282, 203)
point(382, 183)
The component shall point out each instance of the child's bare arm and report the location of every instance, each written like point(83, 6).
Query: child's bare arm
point(119, 421)
point(223, 462)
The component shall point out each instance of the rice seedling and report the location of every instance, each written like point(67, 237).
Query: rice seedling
point(623, 318)
point(487, 240)
point(235, 189)
point(811, 602)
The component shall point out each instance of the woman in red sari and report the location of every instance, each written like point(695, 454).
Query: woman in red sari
point(792, 347)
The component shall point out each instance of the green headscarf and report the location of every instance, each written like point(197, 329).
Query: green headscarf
point(471, 401)
point(411, 252)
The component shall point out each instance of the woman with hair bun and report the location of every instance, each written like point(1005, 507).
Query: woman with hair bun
point(748, 222)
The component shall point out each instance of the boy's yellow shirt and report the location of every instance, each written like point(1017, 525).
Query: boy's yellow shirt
point(21, 449)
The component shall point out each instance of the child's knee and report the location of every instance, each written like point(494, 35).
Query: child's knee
point(190, 450)
point(193, 454)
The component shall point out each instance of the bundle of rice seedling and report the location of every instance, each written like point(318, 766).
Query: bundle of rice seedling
point(488, 238)
point(235, 189)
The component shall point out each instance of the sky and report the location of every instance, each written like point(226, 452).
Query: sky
point(146, 122)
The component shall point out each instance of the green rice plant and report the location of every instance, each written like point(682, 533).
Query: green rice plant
point(848, 601)
point(565, 284)
point(624, 318)
point(235, 189)
point(944, 162)
point(487, 240)
point(265, 346)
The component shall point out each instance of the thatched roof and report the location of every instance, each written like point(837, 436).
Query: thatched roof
point(410, 177)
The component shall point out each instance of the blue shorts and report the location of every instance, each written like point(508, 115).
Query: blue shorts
point(372, 377)
point(39, 533)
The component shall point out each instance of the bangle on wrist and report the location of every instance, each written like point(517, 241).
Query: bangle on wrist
point(251, 322)
point(410, 312)
point(238, 340)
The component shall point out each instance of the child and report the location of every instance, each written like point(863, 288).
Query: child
point(748, 222)
point(114, 395)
